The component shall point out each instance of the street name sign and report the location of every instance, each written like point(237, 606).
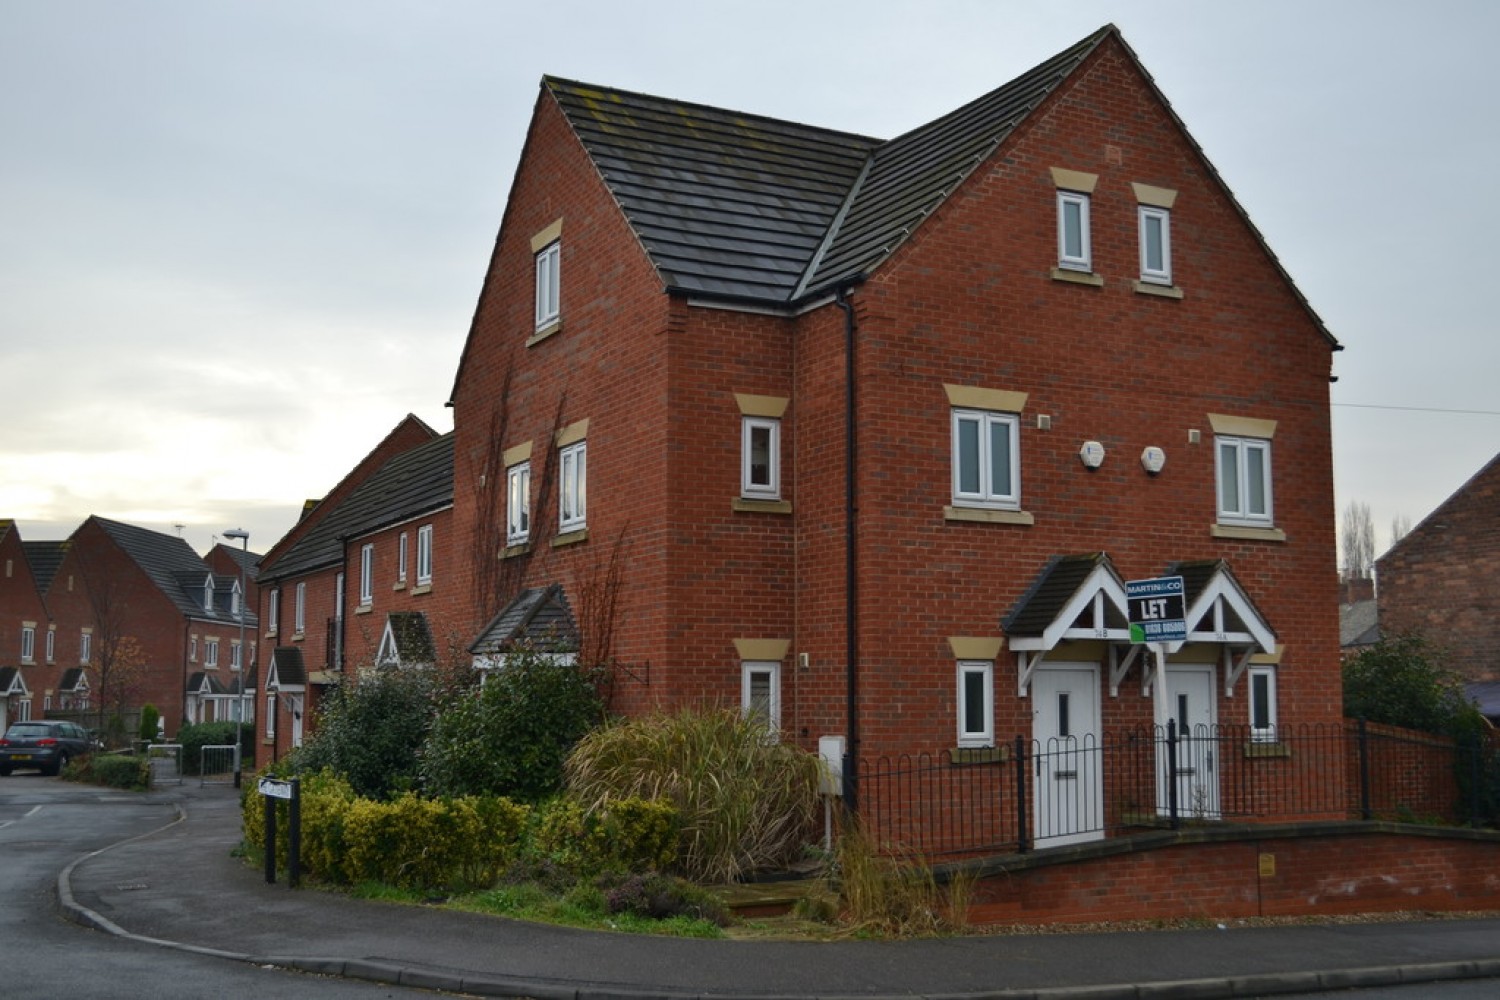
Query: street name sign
point(273, 788)
point(1156, 609)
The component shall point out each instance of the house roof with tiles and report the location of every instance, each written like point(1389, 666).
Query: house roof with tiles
point(176, 570)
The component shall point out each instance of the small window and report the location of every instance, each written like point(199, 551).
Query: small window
point(193, 649)
point(208, 594)
point(760, 693)
point(23, 710)
point(1244, 481)
point(1263, 704)
point(51, 645)
point(28, 643)
point(235, 660)
point(976, 710)
point(572, 505)
point(270, 716)
point(760, 463)
point(275, 611)
point(986, 459)
point(1156, 244)
point(338, 596)
point(211, 653)
point(1073, 250)
point(518, 503)
point(401, 558)
point(299, 612)
point(366, 574)
point(85, 647)
point(548, 276)
point(424, 555)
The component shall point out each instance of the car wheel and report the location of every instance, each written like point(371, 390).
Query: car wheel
point(62, 762)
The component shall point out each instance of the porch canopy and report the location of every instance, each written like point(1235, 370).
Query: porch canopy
point(1081, 598)
point(539, 617)
point(406, 642)
point(286, 673)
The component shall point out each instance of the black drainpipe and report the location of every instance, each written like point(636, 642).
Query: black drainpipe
point(851, 562)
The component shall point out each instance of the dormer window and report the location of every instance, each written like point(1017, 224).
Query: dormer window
point(234, 599)
point(208, 594)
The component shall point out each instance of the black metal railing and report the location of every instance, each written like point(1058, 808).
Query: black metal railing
point(1027, 794)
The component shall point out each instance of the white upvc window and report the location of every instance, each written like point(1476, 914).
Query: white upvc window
point(366, 574)
point(1073, 249)
point(211, 653)
point(548, 284)
point(424, 555)
point(338, 596)
point(1244, 481)
point(572, 504)
point(208, 594)
point(85, 646)
point(976, 703)
point(51, 643)
point(518, 503)
point(760, 458)
point(23, 710)
point(1156, 244)
point(401, 558)
point(760, 692)
point(275, 611)
point(1263, 703)
point(193, 649)
point(270, 716)
point(299, 610)
point(986, 459)
point(28, 643)
point(235, 658)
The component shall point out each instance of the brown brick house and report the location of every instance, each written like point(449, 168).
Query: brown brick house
point(868, 435)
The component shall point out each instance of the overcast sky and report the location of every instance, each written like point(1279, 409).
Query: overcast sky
point(240, 241)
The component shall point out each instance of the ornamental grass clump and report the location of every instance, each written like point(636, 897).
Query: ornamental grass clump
point(745, 802)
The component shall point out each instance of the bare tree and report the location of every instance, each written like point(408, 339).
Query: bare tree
point(1357, 541)
point(1400, 528)
point(115, 655)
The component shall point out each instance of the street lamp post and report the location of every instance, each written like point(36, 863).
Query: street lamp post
point(244, 537)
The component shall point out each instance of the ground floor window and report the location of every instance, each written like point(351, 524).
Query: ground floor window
point(760, 692)
point(976, 706)
point(1263, 704)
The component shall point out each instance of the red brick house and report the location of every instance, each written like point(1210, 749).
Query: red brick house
point(1443, 578)
point(29, 669)
point(867, 435)
point(366, 579)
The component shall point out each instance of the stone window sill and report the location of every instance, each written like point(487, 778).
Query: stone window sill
point(762, 506)
point(1161, 291)
point(551, 328)
point(1247, 534)
point(1077, 277)
point(981, 755)
point(571, 538)
point(982, 515)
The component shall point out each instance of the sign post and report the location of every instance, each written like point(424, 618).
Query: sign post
point(1158, 616)
point(289, 791)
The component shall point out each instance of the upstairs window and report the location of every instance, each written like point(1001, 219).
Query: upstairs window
point(85, 647)
point(1156, 244)
point(275, 611)
point(299, 612)
point(401, 558)
point(986, 459)
point(572, 503)
point(51, 643)
point(211, 653)
point(548, 278)
point(235, 660)
point(366, 574)
point(518, 503)
point(1244, 481)
point(424, 555)
point(760, 462)
point(1073, 250)
point(28, 643)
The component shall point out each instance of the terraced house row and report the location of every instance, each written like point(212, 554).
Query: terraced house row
point(865, 435)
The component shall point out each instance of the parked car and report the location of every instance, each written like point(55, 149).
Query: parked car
point(45, 745)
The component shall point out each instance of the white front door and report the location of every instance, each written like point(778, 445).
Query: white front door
point(296, 708)
point(1191, 705)
point(1067, 782)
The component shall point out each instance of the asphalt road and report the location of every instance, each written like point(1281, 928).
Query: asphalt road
point(45, 824)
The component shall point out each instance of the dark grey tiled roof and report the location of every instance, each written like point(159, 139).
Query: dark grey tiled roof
point(748, 207)
point(74, 679)
point(172, 565)
point(250, 561)
point(1051, 591)
point(10, 681)
point(286, 662)
point(411, 638)
point(413, 483)
point(539, 616)
point(1197, 575)
point(201, 683)
point(44, 558)
point(1359, 624)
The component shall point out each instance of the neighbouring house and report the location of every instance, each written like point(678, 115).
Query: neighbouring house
point(366, 580)
point(1359, 615)
point(868, 436)
point(123, 616)
point(1443, 579)
point(29, 669)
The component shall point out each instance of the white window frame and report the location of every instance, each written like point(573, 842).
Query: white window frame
point(548, 284)
point(211, 653)
point(1161, 218)
point(401, 558)
point(236, 655)
point(299, 610)
point(208, 594)
point(518, 503)
point(767, 487)
point(749, 670)
point(1080, 258)
point(275, 609)
point(1239, 513)
point(338, 596)
point(572, 498)
point(28, 643)
point(192, 649)
point(1267, 674)
point(85, 647)
point(366, 574)
point(271, 716)
point(984, 736)
point(23, 710)
point(51, 644)
point(986, 496)
point(424, 555)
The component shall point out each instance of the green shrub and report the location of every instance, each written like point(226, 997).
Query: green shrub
point(131, 773)
point(620, 835)
point(371, 731)
point(193, 738)
point(149, 718)
point(661, 897)
point(512, 736)
point(745, 802)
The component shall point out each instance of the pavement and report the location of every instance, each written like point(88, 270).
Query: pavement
point(180, 887)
